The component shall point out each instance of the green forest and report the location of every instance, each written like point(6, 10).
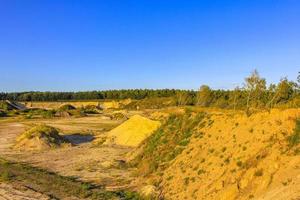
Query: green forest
point(254, 93)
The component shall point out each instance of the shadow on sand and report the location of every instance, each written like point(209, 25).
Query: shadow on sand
point(78, 138)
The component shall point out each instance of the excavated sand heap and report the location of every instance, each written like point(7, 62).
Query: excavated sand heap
point(132, 132)
point(39, 138)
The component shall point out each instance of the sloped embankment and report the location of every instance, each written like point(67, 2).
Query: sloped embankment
point(225, 155)
point(132, 132)
point(39, 138)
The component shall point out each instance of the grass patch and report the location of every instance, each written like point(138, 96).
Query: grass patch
point(54, 185)
point(165, 144)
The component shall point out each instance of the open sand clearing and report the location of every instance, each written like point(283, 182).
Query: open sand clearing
point(100, 165)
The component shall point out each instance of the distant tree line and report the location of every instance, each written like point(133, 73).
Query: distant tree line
point(253, 94)
point(88, 95)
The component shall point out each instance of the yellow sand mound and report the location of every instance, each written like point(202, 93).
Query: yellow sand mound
point(38, 138)
point(132, 132)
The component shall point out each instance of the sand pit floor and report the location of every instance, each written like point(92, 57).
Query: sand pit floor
point(99, 165)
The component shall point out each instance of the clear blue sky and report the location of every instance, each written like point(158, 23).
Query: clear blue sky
point(74, 45)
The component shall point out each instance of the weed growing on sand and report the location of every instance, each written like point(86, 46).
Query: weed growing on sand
point(287, 182)
point(169, 178)
point(186, 181)
point(239, 163)
point(224, 149)
point(211, 150)
point(259, 172)
point(227, 161)
point(201, 171)
point(193, 179)
point(294, 139)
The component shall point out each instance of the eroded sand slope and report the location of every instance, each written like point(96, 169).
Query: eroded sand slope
point(238, 157)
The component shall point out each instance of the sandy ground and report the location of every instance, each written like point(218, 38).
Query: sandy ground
point(223, 162)
point(100, 165)
point(9, 192)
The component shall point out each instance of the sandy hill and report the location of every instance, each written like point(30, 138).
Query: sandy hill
point(39, 138)
point(132, 132)
point(225, 155)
